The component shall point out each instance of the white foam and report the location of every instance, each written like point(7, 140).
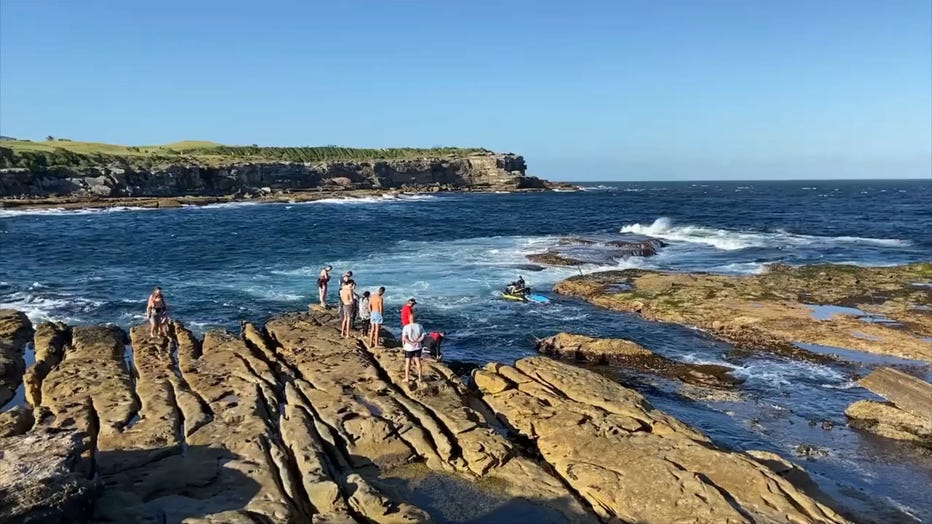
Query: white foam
point(223, 205)
point(786, 373)
point(729, 240)
point(381, 199)
point(58, 211)
point(59, 306)
point(744, 268)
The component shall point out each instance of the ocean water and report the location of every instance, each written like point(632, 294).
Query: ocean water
point(453, 252)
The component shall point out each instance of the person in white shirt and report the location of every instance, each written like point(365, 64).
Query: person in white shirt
point(411, 337)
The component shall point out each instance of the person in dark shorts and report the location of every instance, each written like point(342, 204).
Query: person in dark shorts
point(432, 345)
point(411, 338)
point(347, 281)
point(346, 310)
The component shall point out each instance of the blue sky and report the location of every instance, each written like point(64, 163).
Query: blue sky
point(628, 90)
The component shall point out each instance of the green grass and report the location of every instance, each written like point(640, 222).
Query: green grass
point(67, 153)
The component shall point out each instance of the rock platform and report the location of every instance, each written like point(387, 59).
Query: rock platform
point(806, 312)
point(290, 423)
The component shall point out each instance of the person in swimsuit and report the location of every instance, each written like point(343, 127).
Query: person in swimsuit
point(346, 309)
point(157, 313)
point(347, 281)
point(375, 317)
point(323, 279)
point(411, 337)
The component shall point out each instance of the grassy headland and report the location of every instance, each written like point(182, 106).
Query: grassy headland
point(67, 153)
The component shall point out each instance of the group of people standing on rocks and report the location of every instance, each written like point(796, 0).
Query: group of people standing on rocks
point(369, 309)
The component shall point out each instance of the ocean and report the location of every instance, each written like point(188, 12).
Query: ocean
point(222, 264)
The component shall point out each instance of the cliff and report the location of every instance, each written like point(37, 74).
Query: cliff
point(225, 170)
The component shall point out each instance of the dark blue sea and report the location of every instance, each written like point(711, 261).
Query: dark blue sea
point(222, 264)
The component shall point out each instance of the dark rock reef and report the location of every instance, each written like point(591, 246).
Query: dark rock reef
point(628, 354)
point(291, 423)
point(576, 251)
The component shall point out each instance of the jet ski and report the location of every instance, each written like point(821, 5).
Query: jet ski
point(519, 291)
point(525, 297)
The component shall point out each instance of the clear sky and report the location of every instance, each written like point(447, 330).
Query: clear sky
point(621, 89)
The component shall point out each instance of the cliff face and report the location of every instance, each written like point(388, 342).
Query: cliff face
point(481, 171)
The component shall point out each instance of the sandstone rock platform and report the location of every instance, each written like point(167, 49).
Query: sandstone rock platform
point(907, 415)
point(809, 312)
point(291, 423)
point(628, 354)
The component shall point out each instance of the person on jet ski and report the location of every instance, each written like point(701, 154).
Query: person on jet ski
point(518, 288)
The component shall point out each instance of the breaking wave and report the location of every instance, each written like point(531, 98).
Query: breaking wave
point(387, 197)
point(60, 211)
point(729, 240)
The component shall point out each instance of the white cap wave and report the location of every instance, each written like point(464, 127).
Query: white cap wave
point(730, 240)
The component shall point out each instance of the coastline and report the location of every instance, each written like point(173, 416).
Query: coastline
point(307, 195)
point(783, 405)
point(293, 423)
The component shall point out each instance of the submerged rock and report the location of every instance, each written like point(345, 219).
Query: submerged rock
point(553, 258)
point(588, 251)
point(625, 353)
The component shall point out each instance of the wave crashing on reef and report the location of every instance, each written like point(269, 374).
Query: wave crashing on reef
point(729, 240)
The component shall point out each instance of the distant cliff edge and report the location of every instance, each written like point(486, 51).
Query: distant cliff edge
point(30, 170)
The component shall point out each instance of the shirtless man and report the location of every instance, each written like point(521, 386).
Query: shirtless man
point(323, 279)
point(375, 317)
point(346, 308)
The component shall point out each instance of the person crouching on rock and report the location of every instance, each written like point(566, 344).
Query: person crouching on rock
point(347, 298)
point(432, 344)
point(411, 337)
point(323, 279)
point(375, 317)
point(157, 313)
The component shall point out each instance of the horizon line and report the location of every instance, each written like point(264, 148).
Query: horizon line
point(904, 179)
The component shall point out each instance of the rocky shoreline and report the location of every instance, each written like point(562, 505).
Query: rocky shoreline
point(789, 310)
point(290, 423)
point(290, 197)
point(178, 183)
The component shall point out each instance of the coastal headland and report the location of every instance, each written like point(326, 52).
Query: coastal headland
point(67, 174)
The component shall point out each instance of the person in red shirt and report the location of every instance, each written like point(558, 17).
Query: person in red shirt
point(431, 344)
point(406, 311)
